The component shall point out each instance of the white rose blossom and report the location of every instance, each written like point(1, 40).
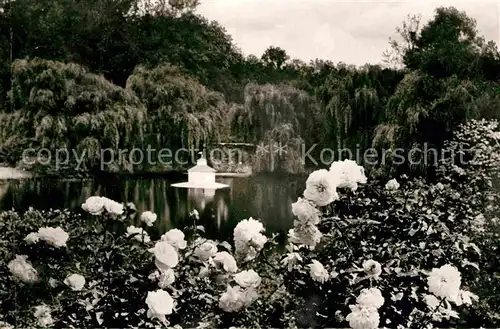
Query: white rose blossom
point(305, 211)
point(112, 207)
point(249, 296)
point(363, 317)
point(204, 272)
point(258, 241)
point(131, 206)
point(307, 235)
point(478, 223)
point(32, 238)
point(140, 234)
point(176, 238)
point(248, 279)
point(53, 282)
point(439, 310)
point(495, 135)
point(371, 297)
point(466, 298)
point(160, 304)
point(94, 205)
point(232, 300)
point(43, 316)
point(166, 278)
point(56, 237)
point(75, 281)
point(392, 184)
point(155, 275)
point(195, 214)
point(5, 325)
point(321, 188)
point(431, 301)
point(166, 256)
point(445, 282)
point(291, 259)
point(235, 298)
point(148, 218)
point(372, 268)
point(248, 239)
point(206, 251)
point(227, 261)
point(318, 272)
point(348, 174)
point(22, 269)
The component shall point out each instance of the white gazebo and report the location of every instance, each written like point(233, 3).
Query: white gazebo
point(201, 176)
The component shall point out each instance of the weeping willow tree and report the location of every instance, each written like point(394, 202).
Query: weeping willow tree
point(275, 117)
point(423, 112)
point(62, 106)
point(488, 102)
point(352, 109)
point(182, 112)
point(267, 106)
point(279, 150)
point(404, 110)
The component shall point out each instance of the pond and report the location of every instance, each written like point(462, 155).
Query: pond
point(267, 198)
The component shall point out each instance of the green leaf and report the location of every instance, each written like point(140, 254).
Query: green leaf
point(98, 317)
point(475, 247)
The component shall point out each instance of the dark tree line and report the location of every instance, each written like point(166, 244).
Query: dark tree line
point(180, 73)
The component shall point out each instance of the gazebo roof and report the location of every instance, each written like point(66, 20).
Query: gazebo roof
point(201, 166)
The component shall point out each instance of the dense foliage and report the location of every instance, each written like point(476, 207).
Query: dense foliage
point(62, 106)
point(409, 254)
point(181, 111)
point(88, 76)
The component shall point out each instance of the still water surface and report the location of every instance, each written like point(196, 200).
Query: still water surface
point(265, 198)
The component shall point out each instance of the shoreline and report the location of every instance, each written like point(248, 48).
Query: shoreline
point(230, 174)
point(11, 173)
point(8, 173)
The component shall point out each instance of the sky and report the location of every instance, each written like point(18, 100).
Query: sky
point(354, 32)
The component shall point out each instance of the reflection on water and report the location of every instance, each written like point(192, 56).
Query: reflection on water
point(265, 198)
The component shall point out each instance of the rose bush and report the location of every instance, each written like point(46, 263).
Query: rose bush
point(399, 254)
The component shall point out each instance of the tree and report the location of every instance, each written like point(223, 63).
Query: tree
point(275, 115)
point(275, 57)
point(182, 112)
point(407, 35)
point(63, 106)
point(446, 83)
point(351, 110)
point(193, 44)
point(112, 37)
point(447, 45)
point(5, 51)
point(165, 7)
point(92, 33)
